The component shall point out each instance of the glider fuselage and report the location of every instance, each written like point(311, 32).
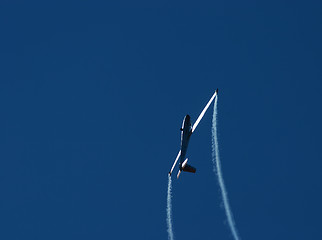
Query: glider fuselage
point(186, 131)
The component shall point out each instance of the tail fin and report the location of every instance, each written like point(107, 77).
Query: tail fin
point(186, 168)
point(189, 168)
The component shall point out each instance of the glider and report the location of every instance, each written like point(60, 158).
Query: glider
point(186, 130)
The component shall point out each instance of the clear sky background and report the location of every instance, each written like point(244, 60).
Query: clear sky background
point(92, 96)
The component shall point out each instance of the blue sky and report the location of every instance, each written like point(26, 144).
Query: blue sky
point(93, 94)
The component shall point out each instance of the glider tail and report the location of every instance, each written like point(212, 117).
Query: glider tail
point(189, 168)
point(186, 168)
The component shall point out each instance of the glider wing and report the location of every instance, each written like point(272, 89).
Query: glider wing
point(204, 111)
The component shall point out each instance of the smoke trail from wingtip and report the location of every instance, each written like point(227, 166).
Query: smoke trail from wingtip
point(217, 170)
point(169, 210)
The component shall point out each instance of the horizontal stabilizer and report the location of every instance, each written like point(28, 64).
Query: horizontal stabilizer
point(178, 175)
point(188, 168)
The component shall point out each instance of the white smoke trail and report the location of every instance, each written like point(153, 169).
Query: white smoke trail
point(217, 169)
point(169, 210)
